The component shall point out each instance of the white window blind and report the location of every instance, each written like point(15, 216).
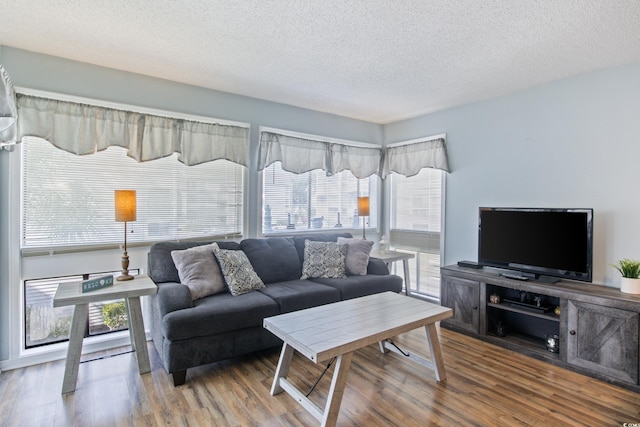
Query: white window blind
point(68, 200)
point(417, 201)
point(313, 200)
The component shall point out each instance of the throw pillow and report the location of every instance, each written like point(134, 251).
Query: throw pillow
point(199, 271)
point(237, 272)
point(323, 259)
point(358, 252)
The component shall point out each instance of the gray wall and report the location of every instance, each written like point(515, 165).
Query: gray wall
point(571, 143)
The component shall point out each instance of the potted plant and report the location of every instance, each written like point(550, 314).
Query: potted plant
point(630, 270)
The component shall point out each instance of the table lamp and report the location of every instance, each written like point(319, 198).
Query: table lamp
point(363, 210)
point(125, 204)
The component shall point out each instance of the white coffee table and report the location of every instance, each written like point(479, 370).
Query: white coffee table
point(338, 329)
point(131, 291)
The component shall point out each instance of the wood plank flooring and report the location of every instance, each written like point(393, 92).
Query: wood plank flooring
point(486, 386)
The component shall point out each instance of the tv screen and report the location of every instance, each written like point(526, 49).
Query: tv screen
point(539, 242)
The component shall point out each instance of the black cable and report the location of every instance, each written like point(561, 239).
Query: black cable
point(320, 377)
point(399, 349)
point(107, 356)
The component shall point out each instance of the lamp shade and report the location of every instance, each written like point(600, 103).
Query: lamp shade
point(363, 206)
point(125, 203)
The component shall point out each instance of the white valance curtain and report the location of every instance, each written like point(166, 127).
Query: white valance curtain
point(299, 155)
point(8, 110)
point(408, 159)
point(85, 129)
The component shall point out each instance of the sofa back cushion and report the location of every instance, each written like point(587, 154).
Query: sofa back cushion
point(160, 265)
point(274, 259)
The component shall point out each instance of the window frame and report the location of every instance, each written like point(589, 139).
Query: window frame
point(74, 261)
point(415, 274)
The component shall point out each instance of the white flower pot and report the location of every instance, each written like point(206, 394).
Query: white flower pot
point(630, 286)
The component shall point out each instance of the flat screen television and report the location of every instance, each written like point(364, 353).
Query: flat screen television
point(541, 243)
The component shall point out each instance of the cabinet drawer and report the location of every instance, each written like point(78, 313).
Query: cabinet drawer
point(603, 340)
point(463, 296)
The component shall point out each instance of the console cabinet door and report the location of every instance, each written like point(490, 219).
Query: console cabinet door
point(463, 296)
point(603, 340)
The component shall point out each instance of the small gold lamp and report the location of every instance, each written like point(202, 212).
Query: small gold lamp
point(125, 203)
point(363, 210)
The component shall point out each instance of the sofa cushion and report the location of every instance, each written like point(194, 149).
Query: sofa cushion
point(199, 270)
point(358, 251)
point(217, 314)
point(299, 294)
point(315, 237)
point(160, 264)
point(359, 286)
point(324, 259)
point(274, 259)
point(237, 271)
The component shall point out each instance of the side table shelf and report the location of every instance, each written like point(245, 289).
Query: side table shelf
point(517, 309)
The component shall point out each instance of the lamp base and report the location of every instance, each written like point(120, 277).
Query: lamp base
point(125, 266)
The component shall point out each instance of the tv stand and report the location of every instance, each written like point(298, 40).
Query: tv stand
point(591, 329)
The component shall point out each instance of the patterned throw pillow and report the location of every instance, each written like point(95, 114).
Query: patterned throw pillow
point(324, 259)
point(237, 271)
point(199, 271)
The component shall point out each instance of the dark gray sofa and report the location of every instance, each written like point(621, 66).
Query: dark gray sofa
point(188, 333)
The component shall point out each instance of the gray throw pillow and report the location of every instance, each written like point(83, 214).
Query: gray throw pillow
point(324, 259)
point(358, 252)
point(237, 271)
point(199, 271)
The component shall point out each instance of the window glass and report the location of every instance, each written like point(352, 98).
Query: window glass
point(313, 200)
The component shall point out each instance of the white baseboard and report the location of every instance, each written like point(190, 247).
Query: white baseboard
point(59, 351)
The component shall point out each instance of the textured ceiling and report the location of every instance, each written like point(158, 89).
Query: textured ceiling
point(375, 60)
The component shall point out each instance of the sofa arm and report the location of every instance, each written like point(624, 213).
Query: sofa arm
point(172, 296)
point(377, 266)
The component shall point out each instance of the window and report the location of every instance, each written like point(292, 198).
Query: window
point(68, 200)
point(313, 200)
point(416, 222)
point(45, 324)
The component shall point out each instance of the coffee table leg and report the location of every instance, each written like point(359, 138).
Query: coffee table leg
point(338, 382)
point(283, 368)
point(436, 352)
point(78, 329)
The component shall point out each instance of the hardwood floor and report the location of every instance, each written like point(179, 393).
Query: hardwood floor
point(486, 386)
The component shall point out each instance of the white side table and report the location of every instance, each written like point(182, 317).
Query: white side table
point(131, 291)
point(391, 256)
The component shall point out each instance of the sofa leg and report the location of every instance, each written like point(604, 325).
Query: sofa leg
point(179, 377)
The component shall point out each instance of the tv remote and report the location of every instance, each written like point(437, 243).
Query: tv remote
point(514, 276)
point(470, 264)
